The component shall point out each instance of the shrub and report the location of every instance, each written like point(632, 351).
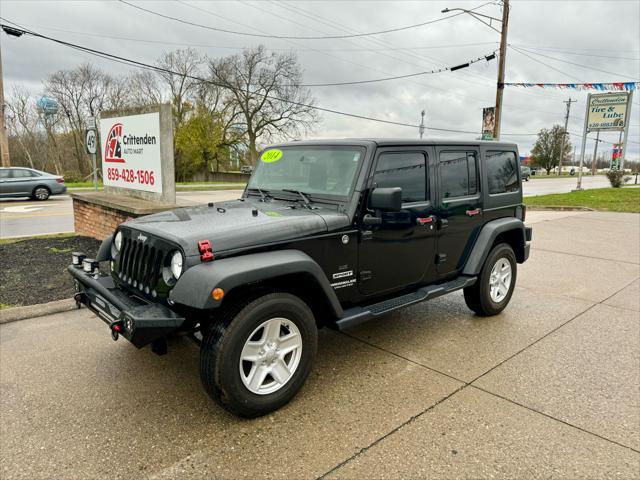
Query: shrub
point(617, 178)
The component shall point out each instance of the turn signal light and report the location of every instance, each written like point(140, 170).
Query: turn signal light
point(206, 252)
point(217, 294)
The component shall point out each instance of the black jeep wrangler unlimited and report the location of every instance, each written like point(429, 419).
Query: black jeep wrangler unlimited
point(327, 233)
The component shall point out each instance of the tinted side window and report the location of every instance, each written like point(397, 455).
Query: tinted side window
point(405, 170)
point(458, 174)
point(502, 172)
point(4, 173)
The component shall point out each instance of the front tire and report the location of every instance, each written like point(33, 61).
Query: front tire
point(255, 361)
point(493, 290)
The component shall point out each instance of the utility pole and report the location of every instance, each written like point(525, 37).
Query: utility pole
point(564, 134)
point(488, 20)
point(595, 153)
point(501, 62)
point(5, 160)
point(421, 129)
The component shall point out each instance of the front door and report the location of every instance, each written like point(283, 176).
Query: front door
point(20, 182)
point(459, 206)
point(400, 251)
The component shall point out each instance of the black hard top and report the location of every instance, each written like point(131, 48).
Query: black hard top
point(391, 142)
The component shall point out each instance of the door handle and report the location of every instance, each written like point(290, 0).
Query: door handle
point(474, 212)
point(443, 223)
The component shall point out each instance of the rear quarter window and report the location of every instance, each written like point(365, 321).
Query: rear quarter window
point(502, 172)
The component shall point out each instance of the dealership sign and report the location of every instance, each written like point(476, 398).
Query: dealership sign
point(607, 111)
point(131, 152)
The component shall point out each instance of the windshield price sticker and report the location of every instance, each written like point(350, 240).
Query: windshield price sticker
point(271, 156)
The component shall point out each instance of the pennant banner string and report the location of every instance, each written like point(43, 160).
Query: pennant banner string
point(604, 87)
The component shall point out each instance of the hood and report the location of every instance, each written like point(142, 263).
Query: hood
point(236, 224)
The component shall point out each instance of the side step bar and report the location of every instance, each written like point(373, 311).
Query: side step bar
point(357, 315)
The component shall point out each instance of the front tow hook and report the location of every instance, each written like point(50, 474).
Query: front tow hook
point(79, 298)
point(116, 328)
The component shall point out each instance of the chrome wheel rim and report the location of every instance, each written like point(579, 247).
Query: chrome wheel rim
point(42, 193)
point(500, 280)
point(270, 356)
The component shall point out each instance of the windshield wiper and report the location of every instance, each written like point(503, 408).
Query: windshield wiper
point(263, 195)
point(305, 199)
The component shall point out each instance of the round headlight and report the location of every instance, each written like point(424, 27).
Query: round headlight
point(176, 265)
point(118, 241)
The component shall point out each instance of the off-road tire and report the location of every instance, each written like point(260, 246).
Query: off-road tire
point(478, 297)
point(223, 343)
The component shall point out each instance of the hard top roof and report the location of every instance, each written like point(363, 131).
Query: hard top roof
point(385, 142)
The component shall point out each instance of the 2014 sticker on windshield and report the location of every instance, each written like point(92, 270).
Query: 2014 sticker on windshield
point(271, 156)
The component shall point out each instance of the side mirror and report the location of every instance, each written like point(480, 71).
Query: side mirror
point(387, 199)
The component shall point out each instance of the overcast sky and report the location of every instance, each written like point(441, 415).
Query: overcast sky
point(603, 36)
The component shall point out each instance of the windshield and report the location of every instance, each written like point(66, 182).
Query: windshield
point(321, 170)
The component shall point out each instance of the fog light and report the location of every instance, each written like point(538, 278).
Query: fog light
point(89, 265)
point(77, 258)
point(128, 324)
point(217, 294)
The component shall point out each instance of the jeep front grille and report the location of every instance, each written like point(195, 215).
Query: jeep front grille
point(140, 265)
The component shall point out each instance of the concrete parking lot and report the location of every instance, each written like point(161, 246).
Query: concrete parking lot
point(549, 388)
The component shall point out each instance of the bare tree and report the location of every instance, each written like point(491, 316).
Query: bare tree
point(265, 89)
point(81, 93)
point(24, 123)
point(180, 77)
point(145, 89)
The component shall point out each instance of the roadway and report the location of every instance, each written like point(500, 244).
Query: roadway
point(21, 217)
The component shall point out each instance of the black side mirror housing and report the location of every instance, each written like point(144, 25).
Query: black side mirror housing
point(386, 199)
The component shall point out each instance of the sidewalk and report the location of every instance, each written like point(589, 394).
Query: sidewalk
point(549, 388)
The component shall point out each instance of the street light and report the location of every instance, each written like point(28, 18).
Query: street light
point(503, 52)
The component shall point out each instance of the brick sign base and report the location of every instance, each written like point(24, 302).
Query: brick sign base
point(97, 215)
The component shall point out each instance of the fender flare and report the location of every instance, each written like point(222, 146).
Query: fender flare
point(195, 285)
point(485, 241)
point(104, 252)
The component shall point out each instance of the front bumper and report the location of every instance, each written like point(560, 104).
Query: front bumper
point(137, 320)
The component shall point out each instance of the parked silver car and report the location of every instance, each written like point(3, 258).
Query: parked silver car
point(27, 182)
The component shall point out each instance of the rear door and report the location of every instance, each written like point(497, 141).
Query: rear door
point(459, 206)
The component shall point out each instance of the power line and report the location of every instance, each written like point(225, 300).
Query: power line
point(542, 63)
point(568, 52)
point(290, 37)
point(227, 47)
point(139, 64)
point(487, 57)
point(120, 59)
point(578, 64)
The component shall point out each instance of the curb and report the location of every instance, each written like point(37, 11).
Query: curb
point(540, 208)
point(31, 311)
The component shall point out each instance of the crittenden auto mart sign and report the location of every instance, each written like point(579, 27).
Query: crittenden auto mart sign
point(131, 152)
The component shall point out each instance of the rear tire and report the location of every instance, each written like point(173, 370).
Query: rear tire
point(493, 290)
point(255, 360)
point(40, 193)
